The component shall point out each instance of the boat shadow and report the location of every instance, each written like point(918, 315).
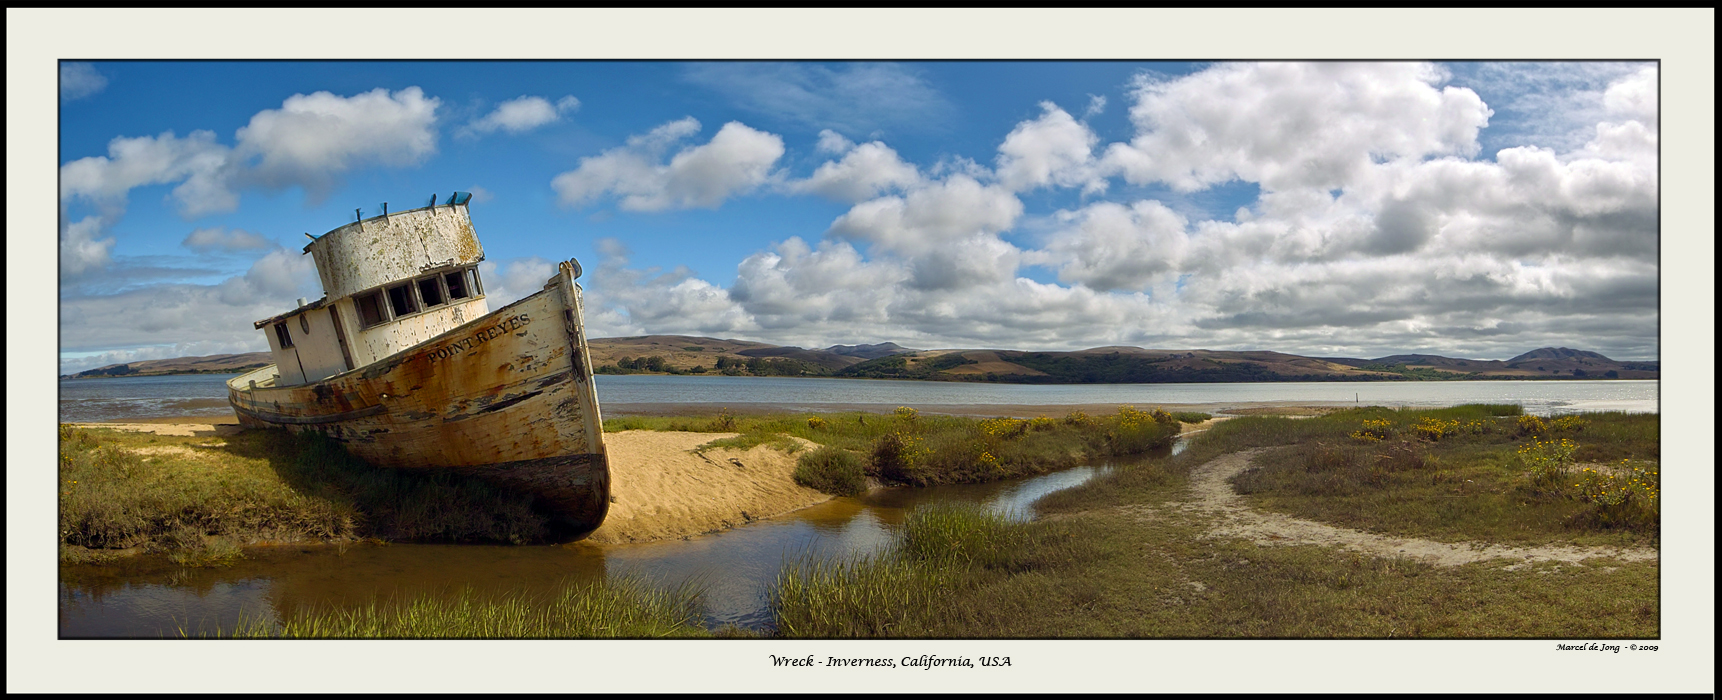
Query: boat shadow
point(402, 505)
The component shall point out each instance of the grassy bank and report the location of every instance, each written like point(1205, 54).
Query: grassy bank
point(622, 608)
point(199, 498)
point(1118, 558)
point(1465, 473)
point(908, 448)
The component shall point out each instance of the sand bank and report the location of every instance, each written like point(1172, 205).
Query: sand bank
point(661, 489)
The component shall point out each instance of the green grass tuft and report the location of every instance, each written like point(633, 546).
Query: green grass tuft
point(831, 470)
point(625, 608)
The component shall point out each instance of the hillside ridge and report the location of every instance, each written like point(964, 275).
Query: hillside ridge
point(682, 354)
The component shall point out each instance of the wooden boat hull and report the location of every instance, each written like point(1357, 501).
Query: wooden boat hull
point(507, 397)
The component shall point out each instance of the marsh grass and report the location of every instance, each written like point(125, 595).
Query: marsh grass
point(870, 597)
point(1251, 591)
point(200, 498)
point(627, 607)
point(832, 470)
point(1612, 436)
point(748, 441)
point(1105, 574)
point(965, 535)
point(205, 552)
point(920, 586)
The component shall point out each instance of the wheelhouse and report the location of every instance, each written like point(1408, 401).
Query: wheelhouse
point(389, 282)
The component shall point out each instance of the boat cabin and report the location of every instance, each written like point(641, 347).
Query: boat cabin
point(389, 282)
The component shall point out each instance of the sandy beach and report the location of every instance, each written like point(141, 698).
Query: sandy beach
point(182, 426)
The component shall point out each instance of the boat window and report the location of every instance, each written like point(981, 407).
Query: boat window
point(282, 336)
point(431, 291)
point(401, 300)
point(370, 309)
point(456, 285)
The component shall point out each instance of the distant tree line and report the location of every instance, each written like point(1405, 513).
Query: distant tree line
point(897, 367)
point(1057, 368)
point(1420, 373)
point(129, 371)
point(730, 366)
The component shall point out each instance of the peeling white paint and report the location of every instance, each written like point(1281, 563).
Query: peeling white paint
point(365, 254)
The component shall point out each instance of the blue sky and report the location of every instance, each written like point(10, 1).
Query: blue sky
point(1362, 209)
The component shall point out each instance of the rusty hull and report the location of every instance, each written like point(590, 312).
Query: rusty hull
point(507, 397)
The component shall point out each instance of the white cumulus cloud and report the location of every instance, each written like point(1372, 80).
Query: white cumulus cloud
point(309, 142)
point(1109, 246)
point(81, 251)
point(1289, 125)
point(80, 80)
point(519, 278)
point(951, 209)
point(866, 171)
point(523, 114)
point(737, 160)
point(833, 142)
point(197, 162)
point(279, 277)
point(315, 138)
point(623, 301)
point(1054, 149)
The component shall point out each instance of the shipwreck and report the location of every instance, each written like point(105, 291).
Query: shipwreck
point(403, 361)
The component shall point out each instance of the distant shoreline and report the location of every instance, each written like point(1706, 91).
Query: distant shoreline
point(1285, 380)
point(616, 410)
point(64, 377)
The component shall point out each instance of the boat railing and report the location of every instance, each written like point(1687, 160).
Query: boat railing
point(263, 378)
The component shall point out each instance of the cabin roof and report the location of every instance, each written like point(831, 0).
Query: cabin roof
point(456, 199)
point(318, 304)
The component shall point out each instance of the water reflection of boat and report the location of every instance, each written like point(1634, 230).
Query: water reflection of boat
point(403, 361)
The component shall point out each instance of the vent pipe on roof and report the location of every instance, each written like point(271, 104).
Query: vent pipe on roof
point(302, 301)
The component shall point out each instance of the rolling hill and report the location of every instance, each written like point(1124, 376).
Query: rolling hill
point(681, 354)
point(207, 364)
